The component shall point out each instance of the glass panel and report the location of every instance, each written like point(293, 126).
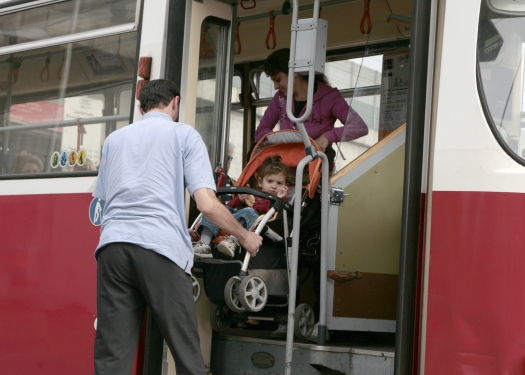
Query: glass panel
point(236, 89)
point(210, 87)
point(368, 107)
point(501, 52)
point(49, 95)
point(63, 18)
point(343, 74)
point(265, 85)
point(234, 166)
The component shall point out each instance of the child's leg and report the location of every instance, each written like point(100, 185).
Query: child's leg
point(206, 235)
point(247, 215)
point(208, 231)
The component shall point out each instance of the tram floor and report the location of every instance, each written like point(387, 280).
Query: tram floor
point(355, 339)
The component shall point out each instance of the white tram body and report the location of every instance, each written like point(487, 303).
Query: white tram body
point(429, 237)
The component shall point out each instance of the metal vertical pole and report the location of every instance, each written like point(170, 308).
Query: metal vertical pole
point(295, 260)
point(311, 154)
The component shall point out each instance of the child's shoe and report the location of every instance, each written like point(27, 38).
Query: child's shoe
point(228, 246)
point(202, 250)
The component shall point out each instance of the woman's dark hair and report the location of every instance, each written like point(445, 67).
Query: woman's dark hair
point(157, 93)
point(273, 165)
point(277, 62)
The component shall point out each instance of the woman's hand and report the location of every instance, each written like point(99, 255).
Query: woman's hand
point(322, 142)
point(283, 192)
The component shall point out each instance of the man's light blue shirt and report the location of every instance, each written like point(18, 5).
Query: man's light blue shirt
point(144, 171)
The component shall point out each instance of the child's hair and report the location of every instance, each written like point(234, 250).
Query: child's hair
point(273, 165)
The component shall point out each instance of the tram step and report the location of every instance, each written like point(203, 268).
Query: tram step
point(233, 355)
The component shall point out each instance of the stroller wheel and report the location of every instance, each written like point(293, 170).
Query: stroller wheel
point(231, 295)
point(196, 288)
point(219, 319)
point(253, 293)
point(304, 321)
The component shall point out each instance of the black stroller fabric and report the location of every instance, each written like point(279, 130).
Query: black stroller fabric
point(271, 255)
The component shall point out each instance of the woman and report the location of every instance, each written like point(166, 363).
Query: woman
point(328, 106)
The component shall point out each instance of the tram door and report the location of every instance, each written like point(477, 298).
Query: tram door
point(204, 85)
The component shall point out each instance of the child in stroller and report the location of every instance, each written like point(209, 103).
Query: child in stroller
point(241, 287)
point(271, 177)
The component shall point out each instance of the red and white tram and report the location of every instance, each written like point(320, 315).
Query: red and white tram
point(432, 223)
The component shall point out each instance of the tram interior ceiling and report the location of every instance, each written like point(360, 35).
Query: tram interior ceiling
point(390, 20)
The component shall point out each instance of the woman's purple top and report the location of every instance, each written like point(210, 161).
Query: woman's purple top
point(328, 106)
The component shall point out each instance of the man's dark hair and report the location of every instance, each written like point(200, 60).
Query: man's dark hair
point(157, 94)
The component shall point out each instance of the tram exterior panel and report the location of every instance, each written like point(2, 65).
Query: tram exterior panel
point(48, 293)
point(473, 306)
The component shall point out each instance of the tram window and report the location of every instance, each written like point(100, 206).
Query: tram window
point(211, 81)
point(265, 87)
point(359, 81)
point(123, 105)
point(236, 88)
point(57, 19)
point(41, 107)
point(236, 130)
point(501, 78)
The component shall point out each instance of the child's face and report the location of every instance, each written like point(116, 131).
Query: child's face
point(271, 183)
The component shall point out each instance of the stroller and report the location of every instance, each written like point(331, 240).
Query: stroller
point(259, 286)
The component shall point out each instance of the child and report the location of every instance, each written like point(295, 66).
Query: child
point(272, 177)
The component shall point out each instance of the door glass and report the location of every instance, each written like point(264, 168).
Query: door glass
point(211, 83)
point(501, 52)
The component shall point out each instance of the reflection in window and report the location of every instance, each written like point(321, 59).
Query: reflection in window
point(210, 86)
point(40, 109)
point(58, 19)
point(235, 145)
point(501, 53)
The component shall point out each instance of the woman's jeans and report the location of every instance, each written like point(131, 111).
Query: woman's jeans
point(248, 214)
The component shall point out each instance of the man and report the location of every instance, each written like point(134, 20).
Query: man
point(145, 256)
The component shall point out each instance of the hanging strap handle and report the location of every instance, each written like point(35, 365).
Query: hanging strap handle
point(59, 73)
point(248, 7)
point(238, 45)
point(45, 69)
point(366, 19)
point(16, 63)
point(271, 31)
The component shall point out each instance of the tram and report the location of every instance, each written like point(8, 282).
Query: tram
point(425, 231)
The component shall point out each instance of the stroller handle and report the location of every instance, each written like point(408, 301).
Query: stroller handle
point(276, 202)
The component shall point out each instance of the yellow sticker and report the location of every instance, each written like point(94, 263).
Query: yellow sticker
point(72, 157)
point(81, 157)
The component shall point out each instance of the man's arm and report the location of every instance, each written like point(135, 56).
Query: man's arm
point(214, 211)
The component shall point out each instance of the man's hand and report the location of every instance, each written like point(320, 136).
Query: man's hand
point(283, 192)
point(251, 242)
point(215, 212)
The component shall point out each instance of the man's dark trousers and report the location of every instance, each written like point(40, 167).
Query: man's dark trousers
point(130, 277)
